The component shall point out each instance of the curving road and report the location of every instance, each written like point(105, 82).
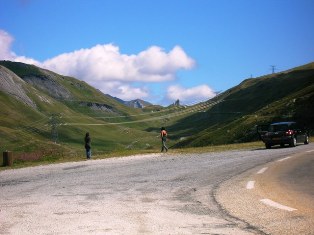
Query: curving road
point(148, 194)
point(278, 197)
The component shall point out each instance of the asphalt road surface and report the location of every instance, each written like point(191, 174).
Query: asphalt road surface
point(237, 192)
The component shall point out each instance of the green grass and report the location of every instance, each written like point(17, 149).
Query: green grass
point(62, 157)
point(276, 97)
point(21, 69)
point(124, 130)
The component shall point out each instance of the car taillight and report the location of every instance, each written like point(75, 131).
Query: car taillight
point(289, 132)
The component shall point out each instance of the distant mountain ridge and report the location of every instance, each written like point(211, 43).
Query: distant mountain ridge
point(137, 103)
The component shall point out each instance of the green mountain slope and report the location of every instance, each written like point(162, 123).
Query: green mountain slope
point(47, 114)
point(277, 97)
point(55, 108)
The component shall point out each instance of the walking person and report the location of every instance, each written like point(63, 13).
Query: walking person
point(163, 135)
point(88, 145)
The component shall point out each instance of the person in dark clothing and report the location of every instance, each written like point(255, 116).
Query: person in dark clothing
point(88, 145)
point(163, 136)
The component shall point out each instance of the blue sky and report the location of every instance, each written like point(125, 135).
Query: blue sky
point(161, 50)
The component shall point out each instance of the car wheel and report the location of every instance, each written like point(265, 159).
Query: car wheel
point(293, 142)
point(268, 146)
point(306, 141)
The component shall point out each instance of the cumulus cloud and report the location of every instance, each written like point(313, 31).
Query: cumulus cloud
point(5, 45)
point(106, 63)
point(6, 53)
point(154, 61)
point(122, 90)
point(187, 95)
point(112, 72)
point(106, 68)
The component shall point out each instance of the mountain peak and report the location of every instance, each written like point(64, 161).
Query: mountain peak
point(137, 103)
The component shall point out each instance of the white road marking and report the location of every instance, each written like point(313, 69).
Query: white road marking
point(277, 205)
point(250, 184)
point(261, 171)
point(310, 151)
point(283, 159)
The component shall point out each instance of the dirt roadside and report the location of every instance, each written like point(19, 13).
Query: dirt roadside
point(288, 182)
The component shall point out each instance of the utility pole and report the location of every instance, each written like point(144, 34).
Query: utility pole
point(273, 68)
point(54, 124)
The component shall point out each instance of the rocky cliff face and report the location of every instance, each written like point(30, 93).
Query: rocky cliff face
point(37, 87)
point(47, 82)
point(97, 106)
point(14, 86)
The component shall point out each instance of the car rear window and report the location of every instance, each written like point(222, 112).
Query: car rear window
point(281, 127)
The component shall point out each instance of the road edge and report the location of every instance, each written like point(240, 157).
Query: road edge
point(228, 192)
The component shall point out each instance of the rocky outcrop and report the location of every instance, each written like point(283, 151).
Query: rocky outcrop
point(48, 84)
point(97, 106)
point(14, 86)
point(138, 103)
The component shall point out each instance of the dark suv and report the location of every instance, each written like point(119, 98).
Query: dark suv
point(282, 133)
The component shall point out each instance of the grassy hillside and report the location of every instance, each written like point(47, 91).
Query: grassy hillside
point(276, 97)
point(66, 108)
point(73, 108)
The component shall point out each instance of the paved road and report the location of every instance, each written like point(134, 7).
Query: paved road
point(277, 197)
point(149, 194)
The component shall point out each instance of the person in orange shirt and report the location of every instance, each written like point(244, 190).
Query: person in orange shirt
point(163, 135)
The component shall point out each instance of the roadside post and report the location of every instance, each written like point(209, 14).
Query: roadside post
point(8, 158)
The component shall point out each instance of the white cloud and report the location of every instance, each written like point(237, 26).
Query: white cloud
point(27, 60)
point(5, 45)
point(105, 62)
point(187, 95)
point(107, 69)
point(154, 61)
point(112, 72)
point(122, 90)
point(6, 53)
